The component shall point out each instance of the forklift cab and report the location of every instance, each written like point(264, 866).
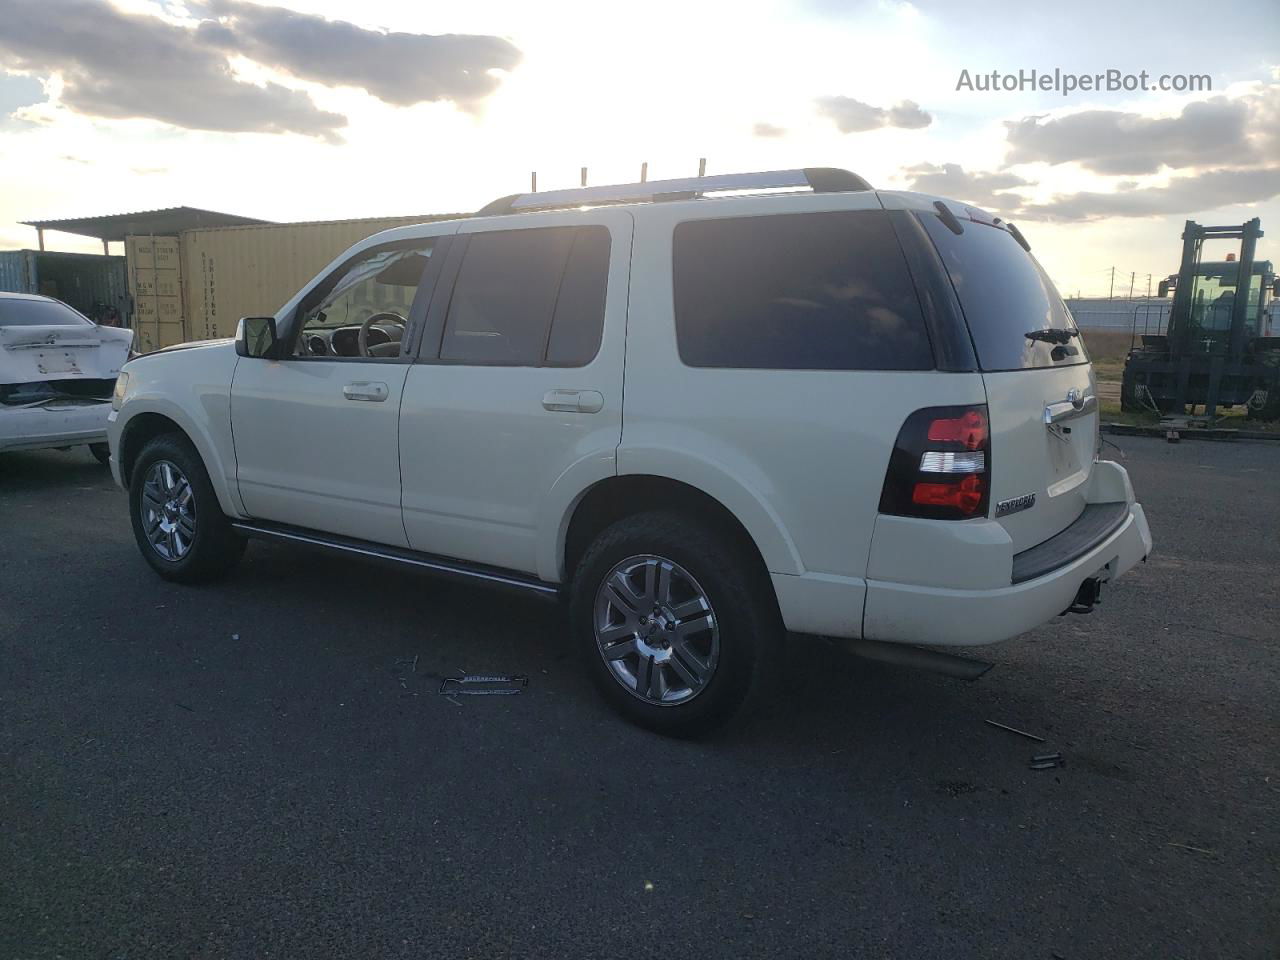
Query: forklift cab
point(1215, 286)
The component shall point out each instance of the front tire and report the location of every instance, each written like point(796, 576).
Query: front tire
point(678, 628)
point(177, 520)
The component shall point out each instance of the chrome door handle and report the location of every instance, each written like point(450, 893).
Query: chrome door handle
point(573, 401)
point(365, 390)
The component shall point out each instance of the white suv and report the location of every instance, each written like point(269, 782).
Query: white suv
point(705, 422)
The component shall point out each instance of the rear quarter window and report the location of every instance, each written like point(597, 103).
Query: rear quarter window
point(1005, 295)
point(815, 291)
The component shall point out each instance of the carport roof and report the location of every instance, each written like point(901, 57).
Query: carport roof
point(166, 222)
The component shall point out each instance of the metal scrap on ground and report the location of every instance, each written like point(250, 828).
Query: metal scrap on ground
point(1047, 761)
point(483, 686)
point(1021, 733)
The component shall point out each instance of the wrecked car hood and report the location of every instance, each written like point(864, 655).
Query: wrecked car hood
point(34, 354)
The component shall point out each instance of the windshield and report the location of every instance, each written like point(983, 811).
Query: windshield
point(1016, 318)
point(383, 283)
point(1213, 296)
point(21, 312)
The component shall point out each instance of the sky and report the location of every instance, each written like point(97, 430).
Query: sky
point(317, 109)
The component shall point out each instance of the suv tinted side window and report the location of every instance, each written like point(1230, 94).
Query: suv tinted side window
point(579, 319)
point(815, 291)
point(529, 298)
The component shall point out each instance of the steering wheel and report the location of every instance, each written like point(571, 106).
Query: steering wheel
point(362, 340)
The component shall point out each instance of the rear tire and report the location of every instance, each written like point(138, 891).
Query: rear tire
point(101, 452)
point(678, 628)
point(177, 520)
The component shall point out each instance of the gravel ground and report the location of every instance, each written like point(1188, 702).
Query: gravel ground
point(256, 769)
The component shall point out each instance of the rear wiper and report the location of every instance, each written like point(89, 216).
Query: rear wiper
point(1052, 335)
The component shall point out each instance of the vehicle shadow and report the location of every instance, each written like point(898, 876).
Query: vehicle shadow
point(51, 469)
point(825, 707)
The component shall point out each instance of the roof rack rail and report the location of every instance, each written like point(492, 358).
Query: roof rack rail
point(818, 179)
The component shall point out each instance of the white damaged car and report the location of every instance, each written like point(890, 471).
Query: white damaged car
point(57, 373)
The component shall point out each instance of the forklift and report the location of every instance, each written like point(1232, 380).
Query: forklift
point(1217, 350)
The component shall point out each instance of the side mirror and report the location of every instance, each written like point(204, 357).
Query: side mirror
point(1163, 289)
point(1275, 288)
point(256, 337)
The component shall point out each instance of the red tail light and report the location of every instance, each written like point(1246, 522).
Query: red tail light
point(969, 429)
point(940, 468)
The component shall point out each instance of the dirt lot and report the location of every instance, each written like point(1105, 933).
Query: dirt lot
point(1107, 351)
point(257, 769)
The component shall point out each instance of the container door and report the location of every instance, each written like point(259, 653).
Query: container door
point(155, 284)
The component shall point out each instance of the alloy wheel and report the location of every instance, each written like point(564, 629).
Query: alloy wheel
point(656, 630)
point(168, 510)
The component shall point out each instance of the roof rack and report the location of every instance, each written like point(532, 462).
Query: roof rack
point(818, 179)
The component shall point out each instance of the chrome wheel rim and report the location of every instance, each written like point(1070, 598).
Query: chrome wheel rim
point(168, 510)
point(656, 630)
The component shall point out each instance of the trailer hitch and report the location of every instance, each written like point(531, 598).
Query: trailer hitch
point(1087, 597)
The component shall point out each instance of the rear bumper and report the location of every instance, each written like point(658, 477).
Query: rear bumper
point(53, 425)
point(961, 584)
point(907, 613)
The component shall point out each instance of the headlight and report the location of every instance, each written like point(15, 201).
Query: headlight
point(122, 386)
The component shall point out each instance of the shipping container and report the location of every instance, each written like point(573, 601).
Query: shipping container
point(94, 284)
point(234, 272)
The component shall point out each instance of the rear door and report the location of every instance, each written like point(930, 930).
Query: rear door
point(1040, 386)
point(518, 386)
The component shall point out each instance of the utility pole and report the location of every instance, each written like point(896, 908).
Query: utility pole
point(1148, 285)
point(1132, 274)
point(533, 182)
point(1111, 294)
point(584, 176)
point(644, 172)
point(702, 166)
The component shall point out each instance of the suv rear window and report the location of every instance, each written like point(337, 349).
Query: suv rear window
point(1006, 295)
point(813, 291)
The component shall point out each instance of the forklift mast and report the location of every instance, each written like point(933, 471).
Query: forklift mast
point(1181, 329)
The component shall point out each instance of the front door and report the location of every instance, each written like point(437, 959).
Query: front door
point(316, 433)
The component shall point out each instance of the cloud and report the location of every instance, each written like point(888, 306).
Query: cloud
point(1195, 194)
point(908, 115)
point(980, 188)
point(121, 65)
point(768, 130)
point(397, 68)
point(1219, 132)
point(854, 116)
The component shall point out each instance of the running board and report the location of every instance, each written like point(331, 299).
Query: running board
point(441, 566)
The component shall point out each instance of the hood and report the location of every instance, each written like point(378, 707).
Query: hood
point(189, 345)
point(72, 352)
